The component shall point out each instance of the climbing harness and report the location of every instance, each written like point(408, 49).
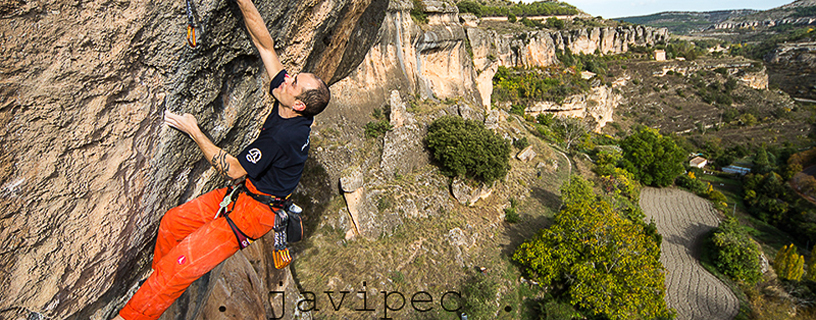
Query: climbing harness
point(230, 197)
point(288, 226)
point(288, 222)
point(192, 27)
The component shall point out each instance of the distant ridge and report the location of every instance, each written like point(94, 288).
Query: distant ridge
point(683, 22)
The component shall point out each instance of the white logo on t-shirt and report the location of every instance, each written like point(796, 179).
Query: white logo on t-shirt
point(254, 155)
point(305, 145)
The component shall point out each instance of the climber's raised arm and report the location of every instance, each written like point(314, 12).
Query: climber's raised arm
point(260, 37)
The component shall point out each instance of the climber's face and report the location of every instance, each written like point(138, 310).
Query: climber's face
point(289, 92)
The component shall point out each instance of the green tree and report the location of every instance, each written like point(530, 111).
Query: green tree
point(762, 163)
point(465, 148)
point(555, 23)
point(470, 6)
point(789, 264)
point(653, 159)
point(735, 254)
point(605, 263)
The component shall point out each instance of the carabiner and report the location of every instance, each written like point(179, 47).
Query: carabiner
point(191, 36)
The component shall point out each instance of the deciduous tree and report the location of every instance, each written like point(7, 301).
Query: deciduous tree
point(605, 262)
point(653, 159)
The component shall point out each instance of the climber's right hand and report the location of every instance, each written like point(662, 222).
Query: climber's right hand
point(186, 123)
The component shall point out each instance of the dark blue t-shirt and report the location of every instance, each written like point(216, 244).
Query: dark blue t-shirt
point(274, 161)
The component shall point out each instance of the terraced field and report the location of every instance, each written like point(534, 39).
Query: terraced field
point(683, 219)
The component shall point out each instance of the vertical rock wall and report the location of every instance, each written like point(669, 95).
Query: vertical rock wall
point(430, 60)
point(538, 49)
point(87, 168)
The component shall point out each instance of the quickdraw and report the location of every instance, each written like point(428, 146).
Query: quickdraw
point(192, 26)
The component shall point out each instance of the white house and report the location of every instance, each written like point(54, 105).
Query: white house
point(698, 162)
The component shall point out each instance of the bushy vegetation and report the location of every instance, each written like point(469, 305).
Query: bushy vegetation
point(465, 148)
point(804, 12)
point(653, 159)
point(735, 254)
point(600, 261)
point(770, 198)
point(520, 9)
point(580, 62)
point(716, 92)
point(701, 188)
point(378, 127)
point(685, 49)
point(525, 86)
point(784, 33)
point(479, 295)
point(418, 12)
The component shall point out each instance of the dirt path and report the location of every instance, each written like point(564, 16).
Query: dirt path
point(683, 219)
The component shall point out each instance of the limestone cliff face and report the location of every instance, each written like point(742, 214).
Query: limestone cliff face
point(537, 49)
point(87, 168)
point(800, 53)
point(599, 103)
point(429, 60)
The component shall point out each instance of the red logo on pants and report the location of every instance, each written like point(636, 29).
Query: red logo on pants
point(182, 260)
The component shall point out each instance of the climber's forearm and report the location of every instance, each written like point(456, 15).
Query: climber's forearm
point(260, 37)
point(224, 163)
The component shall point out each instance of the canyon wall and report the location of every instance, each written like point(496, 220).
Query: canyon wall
point(802, 54)
point(538, 49)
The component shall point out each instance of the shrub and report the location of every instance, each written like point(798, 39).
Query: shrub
point(811, 269)
point(517, 109)
point(479, 296)
point(465, 148)
point(521, 143)
point(374, 129)
point(735, 254)
point(545, 118)
point(511, 215)
point(418, 12)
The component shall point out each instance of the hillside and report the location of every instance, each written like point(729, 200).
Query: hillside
point(685, 22)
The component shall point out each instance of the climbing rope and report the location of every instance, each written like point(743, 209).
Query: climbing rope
point(192, 26)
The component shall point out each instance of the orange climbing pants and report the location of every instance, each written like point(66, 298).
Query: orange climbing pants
point(191, 242)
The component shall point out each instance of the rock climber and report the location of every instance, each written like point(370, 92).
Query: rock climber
point(191, 241)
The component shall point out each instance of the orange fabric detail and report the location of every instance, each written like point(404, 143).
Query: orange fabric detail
point(251, 188)
point(190, 244)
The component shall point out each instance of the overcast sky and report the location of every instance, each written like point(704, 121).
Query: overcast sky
point(624, 8)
